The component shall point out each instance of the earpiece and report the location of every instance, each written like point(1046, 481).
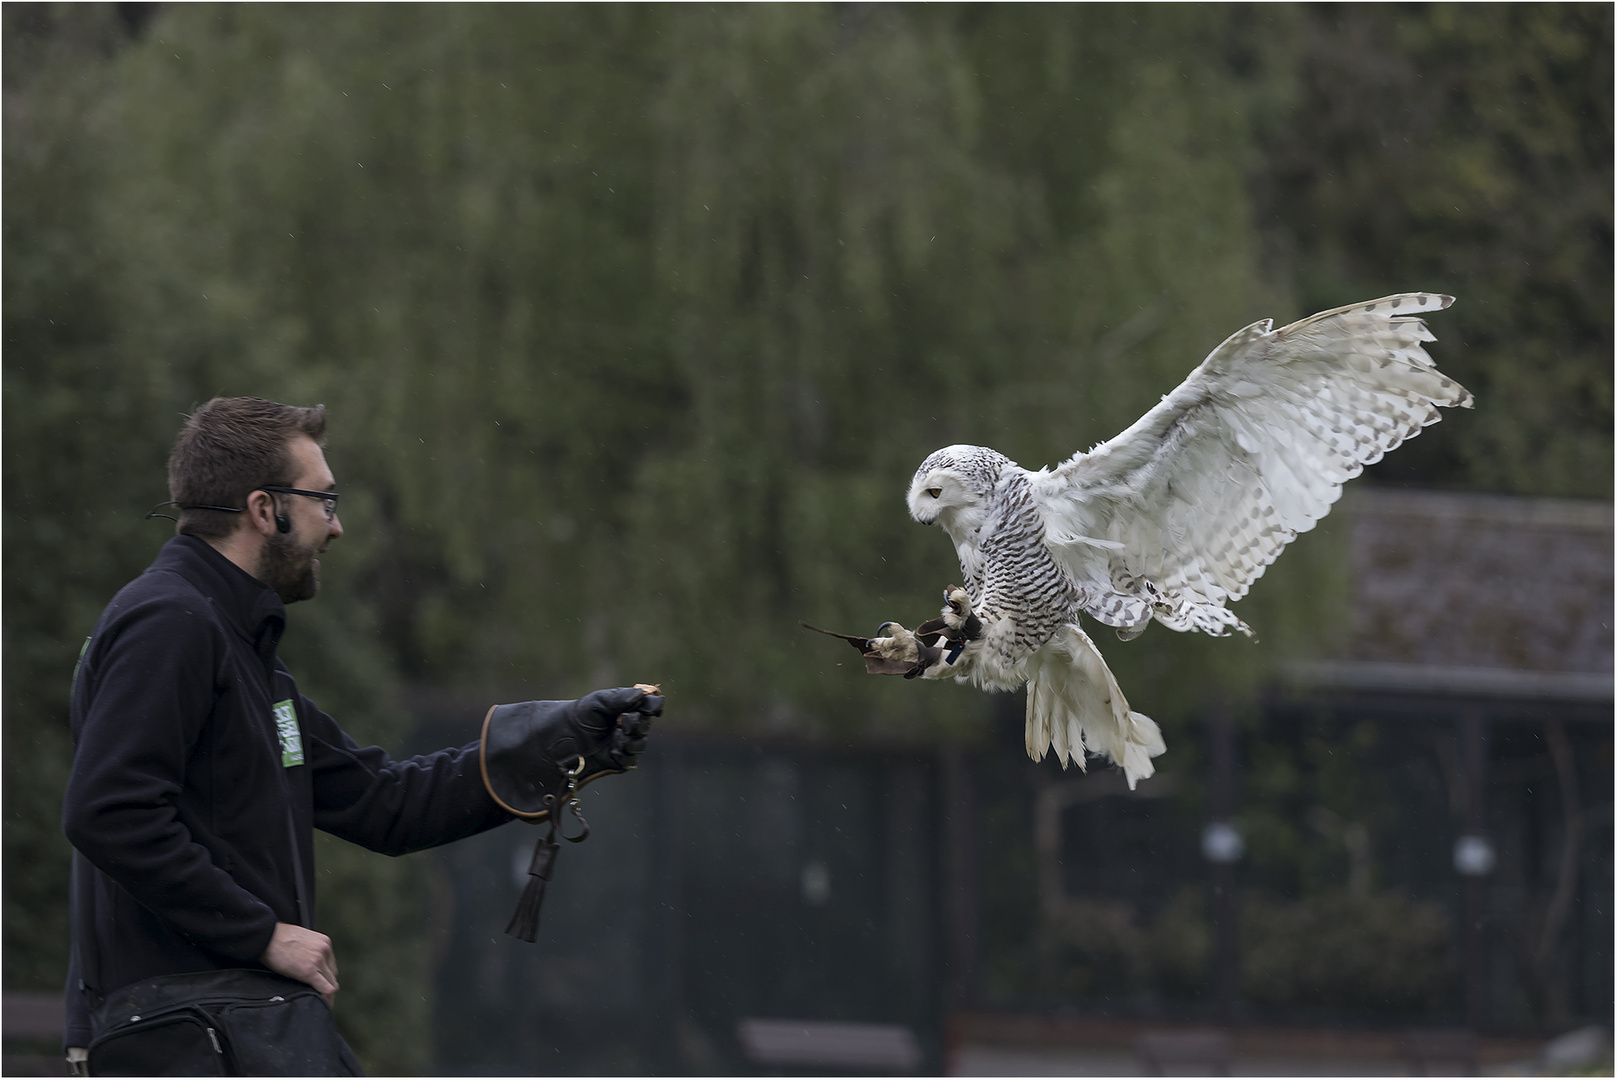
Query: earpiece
point(283, 524)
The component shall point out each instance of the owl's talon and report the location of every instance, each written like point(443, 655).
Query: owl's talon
point(958, 616)
point(893, 642)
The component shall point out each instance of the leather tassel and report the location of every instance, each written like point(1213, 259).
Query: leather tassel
point(525, 923)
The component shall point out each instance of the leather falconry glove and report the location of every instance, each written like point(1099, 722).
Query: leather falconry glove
point(528, 748)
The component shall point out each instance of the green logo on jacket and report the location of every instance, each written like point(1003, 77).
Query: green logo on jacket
point(286, 725)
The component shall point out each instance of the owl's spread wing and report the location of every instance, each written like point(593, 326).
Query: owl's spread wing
point(1188, 507)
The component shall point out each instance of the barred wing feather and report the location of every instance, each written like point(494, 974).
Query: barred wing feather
point(1187, 508)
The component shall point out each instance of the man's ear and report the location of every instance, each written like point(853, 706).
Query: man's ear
point(261, 513)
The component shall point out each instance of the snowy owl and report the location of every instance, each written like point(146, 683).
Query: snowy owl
point(1170, 520)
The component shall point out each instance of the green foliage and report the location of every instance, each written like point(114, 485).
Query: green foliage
point(634, 321)
point(73, 497)
point(1376, 952)
point(1468, 148)
point(1316, 801)
point(1320, 815)
point(1093, 948)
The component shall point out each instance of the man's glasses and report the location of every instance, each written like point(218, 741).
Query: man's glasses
point(328, 497)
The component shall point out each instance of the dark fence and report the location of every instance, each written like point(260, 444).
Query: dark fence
point(1352, 857)
point(1398, 859)
point(724, 886)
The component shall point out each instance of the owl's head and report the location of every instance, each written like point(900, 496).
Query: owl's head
point(953, 486)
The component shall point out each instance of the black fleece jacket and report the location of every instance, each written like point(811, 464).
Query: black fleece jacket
point(191, 744)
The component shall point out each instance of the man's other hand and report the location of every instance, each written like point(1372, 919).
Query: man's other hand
point(303, 954)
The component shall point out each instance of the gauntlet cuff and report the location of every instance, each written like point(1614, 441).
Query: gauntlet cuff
point(515, 761)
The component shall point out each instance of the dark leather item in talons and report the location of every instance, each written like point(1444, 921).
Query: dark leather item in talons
point(877, 664)
point(928, 657)
point(860, 643)
point(970, 630)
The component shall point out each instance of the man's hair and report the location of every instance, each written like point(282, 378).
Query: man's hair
point(227, 449)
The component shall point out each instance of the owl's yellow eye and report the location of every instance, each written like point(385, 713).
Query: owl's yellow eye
point(934, 492)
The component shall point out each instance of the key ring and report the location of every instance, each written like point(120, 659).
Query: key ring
point(570, 797)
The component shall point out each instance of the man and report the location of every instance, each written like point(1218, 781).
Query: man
point(199, 770)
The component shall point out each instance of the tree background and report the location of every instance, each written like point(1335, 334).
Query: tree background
point(634, 321)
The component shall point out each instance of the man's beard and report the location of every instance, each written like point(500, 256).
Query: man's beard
point(288, 569)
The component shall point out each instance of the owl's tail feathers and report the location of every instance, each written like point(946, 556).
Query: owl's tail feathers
point(1074, 707)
